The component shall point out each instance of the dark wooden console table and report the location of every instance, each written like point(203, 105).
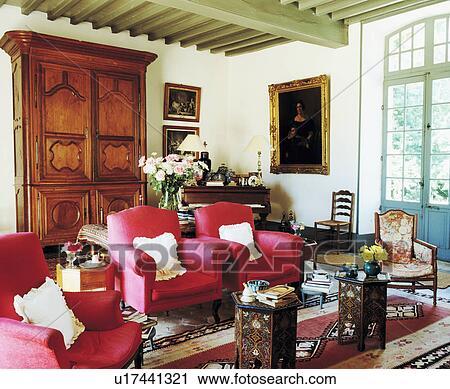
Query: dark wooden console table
point(256, 197)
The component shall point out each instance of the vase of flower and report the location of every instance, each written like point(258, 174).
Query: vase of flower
point(169, 174)
point(170, 200)
point(373, 257)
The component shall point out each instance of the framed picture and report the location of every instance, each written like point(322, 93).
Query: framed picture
point(299, 126)
point(174, 135)
point(182, 102)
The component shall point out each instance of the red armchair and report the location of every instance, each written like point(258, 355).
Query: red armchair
point(107, 342)
point(136, 271)
point(281, 262)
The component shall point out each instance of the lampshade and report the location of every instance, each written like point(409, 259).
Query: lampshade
point(257, 143)
point(192, 143)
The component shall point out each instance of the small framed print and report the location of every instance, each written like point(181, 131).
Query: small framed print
point(173, 136)
point(182, 102)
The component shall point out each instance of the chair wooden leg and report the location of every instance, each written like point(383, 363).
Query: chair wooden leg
point(413, 287)
point(435, 289)
point(215, 309)
point(138, 359)
point(315, 232)
point(338, 239)
point(122, 305)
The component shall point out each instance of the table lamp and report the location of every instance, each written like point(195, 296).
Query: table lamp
point(192, 143)
point(256, 145)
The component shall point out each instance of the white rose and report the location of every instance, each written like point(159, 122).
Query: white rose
point(149, 169)
point(160, 175)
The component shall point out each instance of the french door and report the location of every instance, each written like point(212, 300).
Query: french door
point(416, 157)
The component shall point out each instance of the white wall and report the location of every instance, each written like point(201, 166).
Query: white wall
point(174, 64)
point(371, 102)
point(248, 102)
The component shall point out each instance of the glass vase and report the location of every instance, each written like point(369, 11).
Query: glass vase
point(170, 200)
point(71, 257)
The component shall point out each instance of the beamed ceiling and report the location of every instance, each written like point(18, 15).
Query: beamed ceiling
point(232, 27)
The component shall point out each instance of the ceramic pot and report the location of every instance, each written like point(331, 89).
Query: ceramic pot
point(372, 268)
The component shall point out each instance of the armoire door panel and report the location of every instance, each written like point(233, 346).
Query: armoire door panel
point(61, 213)
point(64, 96)
point(117, 105)
point(114, 200)
point(117, 159)
point(65, 156)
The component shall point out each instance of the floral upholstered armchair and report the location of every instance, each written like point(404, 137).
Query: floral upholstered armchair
point(410, 260)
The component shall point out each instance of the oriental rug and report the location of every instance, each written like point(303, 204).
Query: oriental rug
point(418, 336)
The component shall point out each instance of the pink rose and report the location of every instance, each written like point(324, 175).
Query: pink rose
point(179, 169)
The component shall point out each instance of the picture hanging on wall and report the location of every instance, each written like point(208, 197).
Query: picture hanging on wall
point(299, 126)
point(182, 102)
point(174, 135)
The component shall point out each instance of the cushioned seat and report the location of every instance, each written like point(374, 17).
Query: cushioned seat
point(408, 270)
point(189, 283)
point(105, 349)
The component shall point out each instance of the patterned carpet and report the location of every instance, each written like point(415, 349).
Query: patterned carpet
point(418, 336)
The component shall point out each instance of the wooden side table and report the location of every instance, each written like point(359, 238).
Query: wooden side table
point(362, 303)
point(265, 335)
point(77, 279)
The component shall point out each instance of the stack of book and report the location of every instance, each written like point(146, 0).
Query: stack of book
point(277, 296)
point(318, 281)
point(186, 217)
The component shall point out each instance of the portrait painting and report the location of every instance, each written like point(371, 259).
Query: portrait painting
point(182, 102)
point(299, 126)
point(173, 136)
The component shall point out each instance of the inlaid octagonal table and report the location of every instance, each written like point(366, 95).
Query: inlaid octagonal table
point(265, 336)
point(362, 309)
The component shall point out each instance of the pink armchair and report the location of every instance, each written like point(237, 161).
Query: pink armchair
point(281, 261)
point(107, 342)
point(411, 262)
point(136, 270)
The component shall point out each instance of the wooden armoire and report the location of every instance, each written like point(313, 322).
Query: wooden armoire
point(79, 130)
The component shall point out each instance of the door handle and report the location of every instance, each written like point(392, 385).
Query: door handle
point(433, 207)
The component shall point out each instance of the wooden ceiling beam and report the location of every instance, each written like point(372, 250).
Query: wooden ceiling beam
point(183, 25)
point(118, 9)
point(136, 16)
point(61, 8)
point(390, 10)
point(257, 47)
point(209, 35)
point(270, 17)
point(285, 2)
point(30, 5)
point(191, 32)
point(335, 6)
point(243, 43)
point(163, 18)
point(232, 38)
point(84, 14)
point(361, 8)
point(307, 4)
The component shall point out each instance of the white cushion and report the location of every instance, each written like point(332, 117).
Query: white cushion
point(163, 249)
point(46, 307)
point(240, 233)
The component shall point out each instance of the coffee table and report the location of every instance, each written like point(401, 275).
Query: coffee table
point(265, 335)
point(77, 279)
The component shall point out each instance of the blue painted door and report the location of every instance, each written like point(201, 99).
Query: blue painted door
point(416, 157)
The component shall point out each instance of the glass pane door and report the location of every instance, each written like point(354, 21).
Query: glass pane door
point(437, 173)
point(404, 115)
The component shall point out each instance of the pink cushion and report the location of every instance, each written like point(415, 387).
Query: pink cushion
point(106, 349)
point(188, 284)
point(209, 219)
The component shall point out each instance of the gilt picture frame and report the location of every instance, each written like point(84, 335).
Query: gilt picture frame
point(299, 126)
point(182, 102)
point(174, 135)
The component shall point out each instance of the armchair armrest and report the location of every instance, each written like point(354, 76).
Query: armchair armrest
point(278, 244)
point(25, 345)
point(236, 255)
point(206, 255)
point(98, 311)
point(425, 252)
